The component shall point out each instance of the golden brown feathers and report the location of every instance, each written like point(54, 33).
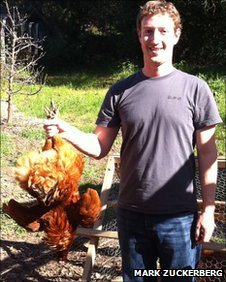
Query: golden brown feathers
point(52, 177)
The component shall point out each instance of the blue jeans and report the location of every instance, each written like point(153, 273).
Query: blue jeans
point(144, 238)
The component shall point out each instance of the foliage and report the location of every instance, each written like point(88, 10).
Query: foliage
point(202, 41)
point(102, 33)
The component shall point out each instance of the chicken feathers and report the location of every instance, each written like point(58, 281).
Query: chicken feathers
point(88, 208)
point(52, 177)
point(59, 232)
point(26, 217)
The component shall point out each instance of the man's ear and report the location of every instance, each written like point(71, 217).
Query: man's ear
point(177, 35)
point(139, 33)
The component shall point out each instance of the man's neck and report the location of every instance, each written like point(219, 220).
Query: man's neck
point(157, 71)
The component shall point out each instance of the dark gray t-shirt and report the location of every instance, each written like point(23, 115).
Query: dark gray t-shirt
point(158, 118)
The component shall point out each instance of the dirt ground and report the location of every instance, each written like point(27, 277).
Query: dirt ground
point(24, 256)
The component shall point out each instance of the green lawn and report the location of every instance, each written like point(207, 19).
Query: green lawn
point(80, 95)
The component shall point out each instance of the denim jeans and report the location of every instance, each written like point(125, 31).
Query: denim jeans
point(145, 238)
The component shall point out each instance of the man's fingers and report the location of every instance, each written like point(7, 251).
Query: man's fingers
point(201, 235)
point(48, 122)
point(51, 130)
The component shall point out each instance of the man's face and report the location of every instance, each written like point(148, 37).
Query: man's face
point(157, 38)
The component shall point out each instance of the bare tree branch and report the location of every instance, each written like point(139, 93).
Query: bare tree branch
point(22, 53)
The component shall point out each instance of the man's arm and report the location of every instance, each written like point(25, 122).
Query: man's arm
point(96, 144)
point(207, 158)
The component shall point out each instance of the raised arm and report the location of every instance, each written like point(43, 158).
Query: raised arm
point(96, 144)
point(207, 158)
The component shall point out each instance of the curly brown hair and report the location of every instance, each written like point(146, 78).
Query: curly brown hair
point(159, 7)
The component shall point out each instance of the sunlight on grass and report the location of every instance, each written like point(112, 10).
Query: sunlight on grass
point(80, 96)
point(32, 133)
point(79, 107)
point(7, 147)
point(217, 85)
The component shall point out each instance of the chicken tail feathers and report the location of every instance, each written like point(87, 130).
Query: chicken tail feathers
point(88, 208)
point(26, 217)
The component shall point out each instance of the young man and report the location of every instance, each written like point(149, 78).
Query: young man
point(163, 113)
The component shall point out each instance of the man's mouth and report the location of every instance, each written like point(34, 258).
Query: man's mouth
point(155, 50)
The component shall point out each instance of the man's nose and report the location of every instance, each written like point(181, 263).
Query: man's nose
point(156, 36)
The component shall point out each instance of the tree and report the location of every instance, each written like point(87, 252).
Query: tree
point(100, 31)
point(20, 53)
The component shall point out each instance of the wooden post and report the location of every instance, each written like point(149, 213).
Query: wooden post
point(91, 253)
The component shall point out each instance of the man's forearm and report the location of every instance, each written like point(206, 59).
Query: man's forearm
point(87, 143)
point(208, 179)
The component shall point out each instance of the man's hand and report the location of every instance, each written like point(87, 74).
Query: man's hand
point(205, 227)
point(50, 129)
point(55, 126)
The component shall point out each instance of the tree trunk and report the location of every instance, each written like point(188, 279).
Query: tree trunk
point(9, 109)
point(2, 32)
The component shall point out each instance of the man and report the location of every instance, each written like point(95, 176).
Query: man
point(163, 113)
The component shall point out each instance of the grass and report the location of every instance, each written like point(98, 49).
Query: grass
point(9, 225)
point(31, 133)
point(217, 84)
point(80, 95)
point(79, 106)
point(6, 144)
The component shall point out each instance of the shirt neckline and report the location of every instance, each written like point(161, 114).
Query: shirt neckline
point(174, 70)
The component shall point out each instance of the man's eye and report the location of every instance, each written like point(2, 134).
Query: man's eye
point(148, 31)
point(164, 31)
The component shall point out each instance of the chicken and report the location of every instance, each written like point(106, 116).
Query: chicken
point(61, 222)
point(25, 216)
point(86, 210)
point(52, 177)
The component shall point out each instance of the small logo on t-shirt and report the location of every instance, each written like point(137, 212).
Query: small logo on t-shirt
point(174, 98)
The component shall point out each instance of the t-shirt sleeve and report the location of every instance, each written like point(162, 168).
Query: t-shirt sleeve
point(108, 115)
point(206, 111)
